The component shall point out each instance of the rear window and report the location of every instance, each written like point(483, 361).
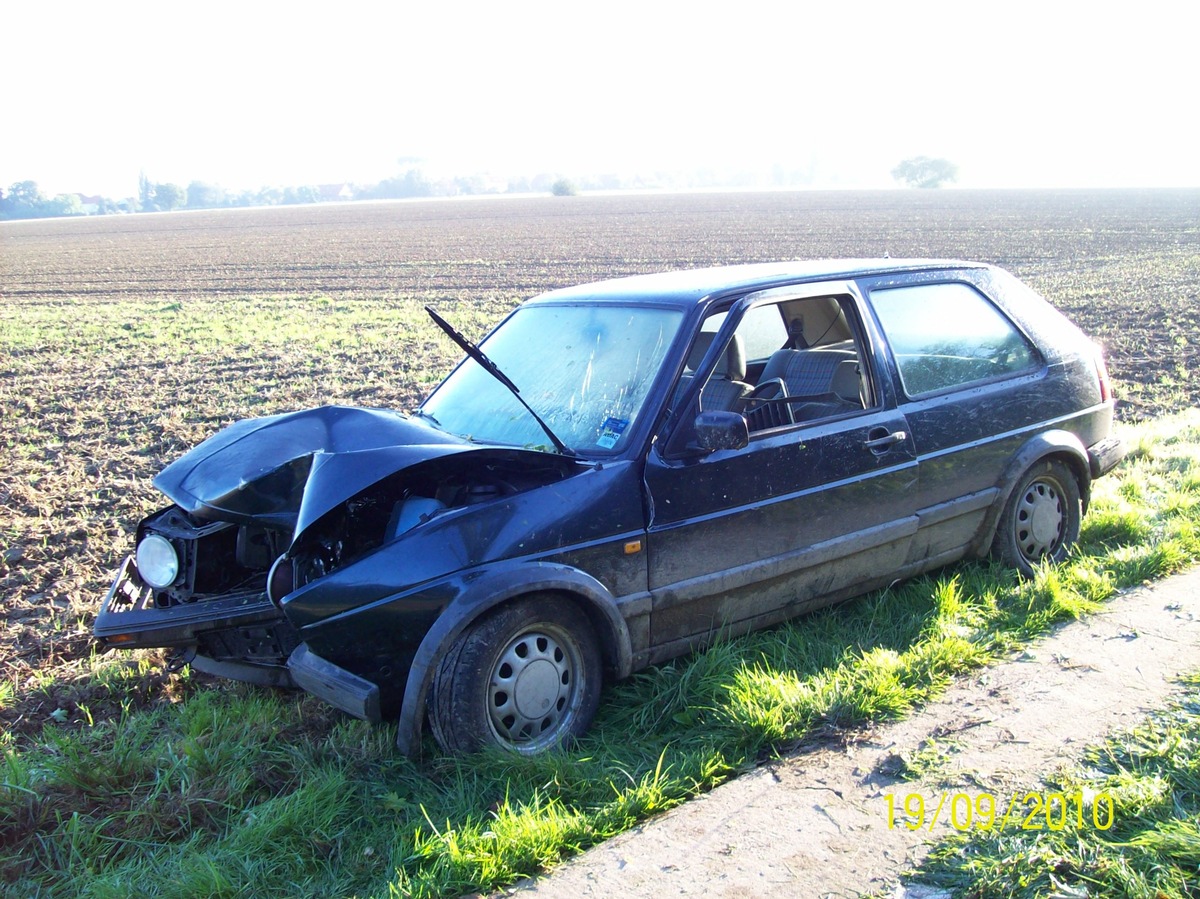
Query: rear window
point(949, 335)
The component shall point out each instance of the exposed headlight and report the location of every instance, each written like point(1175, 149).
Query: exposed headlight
point(157, 562)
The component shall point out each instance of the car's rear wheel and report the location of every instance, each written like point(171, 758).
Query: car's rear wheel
point(525, 677)
point(1041, 518)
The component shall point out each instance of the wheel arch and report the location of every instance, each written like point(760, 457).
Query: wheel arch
point(1056, 444)
point(490, 591)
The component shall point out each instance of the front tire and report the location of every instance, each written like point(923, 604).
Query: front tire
point(1041, 518)
point(526, 678)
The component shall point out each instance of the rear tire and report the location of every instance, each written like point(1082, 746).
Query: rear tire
point(1041, 518)
point(526, 678)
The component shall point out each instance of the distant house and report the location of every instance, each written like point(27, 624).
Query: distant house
point(89, 204)
point(333, 192)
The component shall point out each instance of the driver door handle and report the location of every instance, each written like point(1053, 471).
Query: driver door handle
point(879, 439)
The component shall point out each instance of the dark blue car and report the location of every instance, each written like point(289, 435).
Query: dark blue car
point(618, 473)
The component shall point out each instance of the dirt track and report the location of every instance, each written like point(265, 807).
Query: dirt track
point(816, 824)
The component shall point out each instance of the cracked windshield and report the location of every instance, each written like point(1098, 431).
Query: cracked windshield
point(587, 370)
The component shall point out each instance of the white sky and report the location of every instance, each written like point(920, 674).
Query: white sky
point(251, 93)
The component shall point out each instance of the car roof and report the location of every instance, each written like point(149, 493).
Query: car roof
point(688, 287)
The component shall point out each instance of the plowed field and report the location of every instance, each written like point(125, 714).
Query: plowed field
point(125, 340)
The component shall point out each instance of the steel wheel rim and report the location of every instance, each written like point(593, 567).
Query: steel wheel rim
point(532, 689)
point(1040, 520)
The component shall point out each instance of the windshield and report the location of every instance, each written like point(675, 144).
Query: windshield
point(585, 369)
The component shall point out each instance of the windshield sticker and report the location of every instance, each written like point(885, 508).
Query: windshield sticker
point(611, 432)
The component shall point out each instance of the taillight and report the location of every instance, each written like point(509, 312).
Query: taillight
point(1106, 393)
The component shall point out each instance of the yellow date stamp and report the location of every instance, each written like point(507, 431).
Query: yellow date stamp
point(987, 811)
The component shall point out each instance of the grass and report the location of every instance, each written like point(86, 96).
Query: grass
point(207, 325)
point(241, 791)
point(1135, 833)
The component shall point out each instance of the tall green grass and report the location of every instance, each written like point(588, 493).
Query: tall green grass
point(246, 792)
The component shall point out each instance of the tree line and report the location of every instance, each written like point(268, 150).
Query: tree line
point(25, 200)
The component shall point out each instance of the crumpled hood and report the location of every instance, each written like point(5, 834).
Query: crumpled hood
point(256, 471)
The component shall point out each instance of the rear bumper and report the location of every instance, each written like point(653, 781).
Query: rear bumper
point(337, 686)
point(1104, 456)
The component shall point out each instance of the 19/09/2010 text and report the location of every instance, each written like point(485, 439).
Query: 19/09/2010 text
point(986, 811)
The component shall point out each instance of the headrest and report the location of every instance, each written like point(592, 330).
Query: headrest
point(847, 382)
point(735, 360)
point(732, 364)
point(696, 355)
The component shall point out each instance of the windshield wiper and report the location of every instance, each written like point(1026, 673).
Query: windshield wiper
point(425, 415)
point(494, 370)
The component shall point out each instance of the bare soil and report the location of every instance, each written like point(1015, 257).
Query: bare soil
point(91, 408)
point(817, 824)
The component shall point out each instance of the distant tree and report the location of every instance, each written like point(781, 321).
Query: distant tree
point(246, 198)
point(470, 184)
point(416, 183)
point(202, 195)
point(26, 193)
point(145, 193)
point(306, 193)
point(64, 204)
point(413, 183)
point(924, 171)
point(24, 200)
point(159, 196)
point(169, 196)
point(564, 187)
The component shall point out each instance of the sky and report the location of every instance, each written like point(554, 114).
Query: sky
point(255, 93)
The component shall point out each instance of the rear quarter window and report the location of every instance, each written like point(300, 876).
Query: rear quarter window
point(949, 335)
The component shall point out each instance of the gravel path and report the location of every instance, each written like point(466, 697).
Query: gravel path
point(816, 824)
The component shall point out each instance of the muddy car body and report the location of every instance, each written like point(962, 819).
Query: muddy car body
point(690, 453)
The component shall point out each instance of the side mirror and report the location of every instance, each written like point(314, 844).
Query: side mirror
point(719, 430)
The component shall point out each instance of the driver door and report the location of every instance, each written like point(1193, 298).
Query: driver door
point(810, 510)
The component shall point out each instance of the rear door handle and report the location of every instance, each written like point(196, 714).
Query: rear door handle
point(879, 439)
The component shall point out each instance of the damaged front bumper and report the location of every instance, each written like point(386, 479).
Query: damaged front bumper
point(340, 688)
point(242, 636)
point(242, 631)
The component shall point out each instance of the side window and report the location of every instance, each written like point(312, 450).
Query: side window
point(791, 362)
point(949, 335)
point(762, 332)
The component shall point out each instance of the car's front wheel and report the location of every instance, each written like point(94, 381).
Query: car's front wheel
point(525, 677)
point(1041, 518)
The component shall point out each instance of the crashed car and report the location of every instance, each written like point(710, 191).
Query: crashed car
point(617, 474)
